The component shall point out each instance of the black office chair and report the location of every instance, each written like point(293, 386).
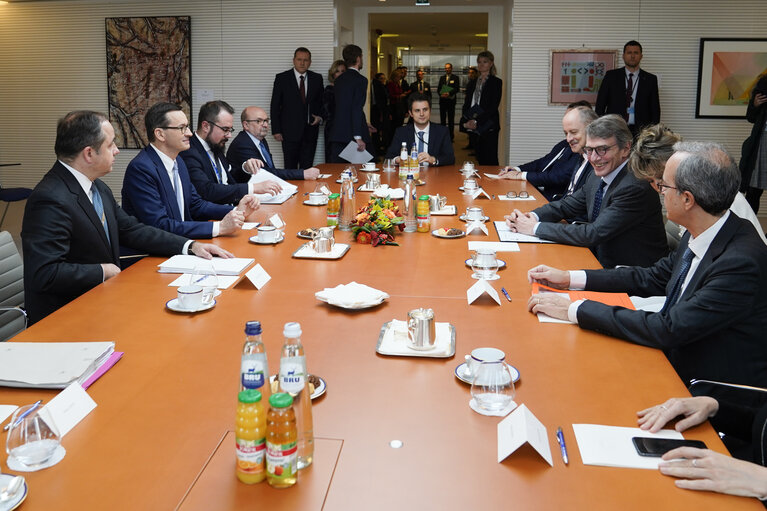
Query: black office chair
point(9, 195)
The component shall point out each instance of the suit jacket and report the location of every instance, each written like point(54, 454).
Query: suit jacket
point(242, 148)
point(749, 151)
point(551, 174)
point(204, 177)
point(716, 329)
point(65, 243)
point(628, 231)
point(440, 146)
point(611, 98)
point(489, 119)
point(349, 119)
point(453, 82)
point(426, 89)
point(148, 194)
point(291, 116)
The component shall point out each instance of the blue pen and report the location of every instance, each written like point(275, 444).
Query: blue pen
point(21, 417)
point(505, 293)
point(562, 446)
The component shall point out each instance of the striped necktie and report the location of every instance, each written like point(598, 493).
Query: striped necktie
point(598, 200)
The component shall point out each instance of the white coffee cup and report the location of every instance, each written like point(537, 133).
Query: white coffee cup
point(369, 166)
point(480, 355)
point(474, 213)
point(469, 185)
point(468, 166)
point(190, 297)
point(316, 197)
point(268, 234)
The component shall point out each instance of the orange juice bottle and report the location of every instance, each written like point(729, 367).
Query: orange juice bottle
point(423, 214)
point(250, 437)
point(281, 442)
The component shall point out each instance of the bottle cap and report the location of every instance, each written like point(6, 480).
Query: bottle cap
point(334, 195)
point(249, 396)
point(280, 400)
point(410, 176)
point(423, 197)
point(253, 328)
point(292, 330)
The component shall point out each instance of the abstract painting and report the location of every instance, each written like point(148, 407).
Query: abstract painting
point(576, 75)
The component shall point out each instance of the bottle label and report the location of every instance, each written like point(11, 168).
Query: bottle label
point(281, 460)
point(292, 374)
point(252, 371)
point(251, 455)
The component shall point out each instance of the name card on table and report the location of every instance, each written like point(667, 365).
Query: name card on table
point(276, 221)
point(258, 276)
point(479, 193)
point(481, 287)
point(68, 408)
point(519, 428)
point(476, 224)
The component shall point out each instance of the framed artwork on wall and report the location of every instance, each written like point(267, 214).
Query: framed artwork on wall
point(728, 69)
point(148, 61)
point(576, 75)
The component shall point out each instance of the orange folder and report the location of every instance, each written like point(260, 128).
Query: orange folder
point(619, 299)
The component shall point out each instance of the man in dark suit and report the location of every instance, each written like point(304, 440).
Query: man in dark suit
point(208, 168)
point(712, 324)
point(625, 224)
point(73, 227)
point(250, 152)
point(432, 140)
point(630, 92)
point(420, 86)
point(297, 110)
point(448, 87)
point(349, 119)
point(157, 188)
point(555, 174)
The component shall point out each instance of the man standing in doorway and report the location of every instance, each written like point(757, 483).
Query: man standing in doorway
point(350, 122)
point(447, 88)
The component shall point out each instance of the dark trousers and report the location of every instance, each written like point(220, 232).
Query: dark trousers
point(752, 197)
point(299, 154)
point(486, 148)
point(447, 115)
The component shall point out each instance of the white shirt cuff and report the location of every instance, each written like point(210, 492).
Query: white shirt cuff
point(185, 250)
point(357, 137)
point(572, 311)
point(577, 280)
point(523, 176)
point(250, 188)
point(216, 228)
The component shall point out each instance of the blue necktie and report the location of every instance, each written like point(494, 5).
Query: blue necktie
point(99, 207)
point(178, 189)
point(266, 155)
point(676, 289)
point(598, 200)
point(420, 141)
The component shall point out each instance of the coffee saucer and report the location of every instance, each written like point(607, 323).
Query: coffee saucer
point(339, 180)
point(254, 239)
point(18, 498)
point(363, 169)
point(323, 203)
point(462, 374)
point(472, 191)
point(463, 218)
point(175, 307)
point(501, 263)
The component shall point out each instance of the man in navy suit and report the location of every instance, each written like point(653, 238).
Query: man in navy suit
point(447, 88)
point(208, 168)
point(432, 140)
point(249, 150)
point(712, 323)
point(630, 92)
point(563, 170)
point(351, 93)
point(296, 110)
point(158, 191)
point(420, 86)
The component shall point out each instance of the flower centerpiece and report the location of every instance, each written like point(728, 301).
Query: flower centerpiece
point(376, 222)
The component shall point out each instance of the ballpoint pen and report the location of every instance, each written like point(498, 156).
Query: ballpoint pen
point(505, 293)
point(562, 446)
point(20, 417)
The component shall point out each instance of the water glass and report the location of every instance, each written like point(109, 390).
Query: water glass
point(204, 275)
point(492, 387)
point(389, 165)
point(32, 440)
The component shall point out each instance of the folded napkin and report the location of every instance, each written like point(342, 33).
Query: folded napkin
point(394, 341)
point(351, 295)
point(392, 193)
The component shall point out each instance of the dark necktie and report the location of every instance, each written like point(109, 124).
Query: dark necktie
point(266, 155)
point(98, 205)
point(598, 200)
point(629, 94)
point(676, 289)
point(420, 141)
point(178, 189)
point(302, 90)
point(420, 87)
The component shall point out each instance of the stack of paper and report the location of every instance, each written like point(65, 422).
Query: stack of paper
point(51, 365)
point(288, 190)
point(187, 263)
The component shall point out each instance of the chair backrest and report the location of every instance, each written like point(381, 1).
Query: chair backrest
point(11, 287)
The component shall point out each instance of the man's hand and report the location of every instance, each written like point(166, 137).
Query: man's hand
point(523, 223)
point(372, 129)
point(278, 137)
point(548, 276)
point(696, 410)
point(208, 250)
point(470, 125)
point(551, 304)
point(316, 119)
point(760, 99)
point(248, 205)
point(360, 145)
point(232, 222)
point(311, 173)
point(270, 186)
point(252, 166)
point(110, 270)
point(510, 173)
point(424, 157)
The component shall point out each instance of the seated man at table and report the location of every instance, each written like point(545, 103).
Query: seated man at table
point(157, 188)
point(713, 321)
point(625, 224)
point(249, 150)
point(208, 168)
point(72, 226)
point(432, 140)
point(564, 169)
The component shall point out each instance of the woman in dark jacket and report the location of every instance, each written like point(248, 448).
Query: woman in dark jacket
point(329, 101)
point(753, 158)
point(480, 110)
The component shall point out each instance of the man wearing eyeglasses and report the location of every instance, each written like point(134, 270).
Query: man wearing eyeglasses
point(625, 224)
point(158, 191)
point(712, 323)
point(249, 151)
point(208, 168)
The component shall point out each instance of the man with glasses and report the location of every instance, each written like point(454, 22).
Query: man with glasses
point(624, 221)
point(208, 168)
point(158, 191)
point(712, 323)
point(249, 150)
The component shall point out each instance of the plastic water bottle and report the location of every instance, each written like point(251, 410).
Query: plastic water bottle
point(348, 206)
point(411, 224)
point(293, 381)
point(254, 370)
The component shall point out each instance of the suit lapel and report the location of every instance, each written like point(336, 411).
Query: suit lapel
point(205, 157)
point(111, 218)
point(716, 248)
point(167, 187)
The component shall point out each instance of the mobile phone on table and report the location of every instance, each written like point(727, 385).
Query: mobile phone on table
point(657, 447)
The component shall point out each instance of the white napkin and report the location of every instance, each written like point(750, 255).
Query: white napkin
point(393, 193)
point(351, 295)
point(394, 341)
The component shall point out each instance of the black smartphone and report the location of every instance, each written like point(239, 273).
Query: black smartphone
point(657, 447)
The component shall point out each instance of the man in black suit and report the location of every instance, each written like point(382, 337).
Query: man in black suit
point(73, 228)
point(297, 110)
point(712, 324)
point(249, 150)
point(208, 168)
point(630, 92)
point(625, 224)
point(432, 140)
point(447, 89)
point(349, 119)
point(420, 86)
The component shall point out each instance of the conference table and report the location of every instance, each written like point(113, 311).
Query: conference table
point(161, 436)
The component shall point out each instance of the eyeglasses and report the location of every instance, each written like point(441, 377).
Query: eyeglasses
point(181, 128)
point(601, 150)
point(225, 130)
point(259, 121)
point(662, 186)
point(514, 195)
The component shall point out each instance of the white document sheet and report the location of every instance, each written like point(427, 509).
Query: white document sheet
point(352, 155)
point(288, 189)
point(50, 365)
point(505, 234)
point(6, 411)
point(186, 264)
point(494, 245)
point(611, 446)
